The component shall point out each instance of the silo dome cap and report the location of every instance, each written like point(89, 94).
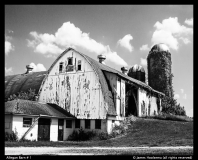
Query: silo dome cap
point(160, 47)
point(136, 68)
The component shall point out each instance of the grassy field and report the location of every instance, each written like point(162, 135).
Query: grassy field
point(144, 132)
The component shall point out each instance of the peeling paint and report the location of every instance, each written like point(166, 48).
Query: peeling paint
point(77, 92)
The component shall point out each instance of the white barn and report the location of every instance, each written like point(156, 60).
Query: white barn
point(97, 96)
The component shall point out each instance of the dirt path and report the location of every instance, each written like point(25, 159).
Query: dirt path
point(183, 150)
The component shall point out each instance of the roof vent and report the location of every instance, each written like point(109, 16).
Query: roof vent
point(101, 58)
point(29, 68)
point(124, 70)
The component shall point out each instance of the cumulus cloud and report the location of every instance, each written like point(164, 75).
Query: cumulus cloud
point(125, 42)
point(68, 35)
point(170, 31)
point(166, 37)
point(185, 40)
point(176, 96)
point(8, 46)
point(182, 90)
point(37, 68)
point(143, 62)
point(189, 22)
point(144, 47)
point(8, 71)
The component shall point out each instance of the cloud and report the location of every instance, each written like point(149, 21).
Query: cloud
point(166, 37)
point(185, 96)
point(182, 90)
point(37, 68)
point(8, 46)
point(68, 35)
point(10, 31)
point(189, 22)
point(170, 31)
point(8, 71)
point(185, 40)
point(125, 42)
point(114, 58)
point(176, 96)
point(144, 47)
point(143, 62)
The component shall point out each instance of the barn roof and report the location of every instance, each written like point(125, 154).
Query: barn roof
point(35, 108)
point(23, 82)
point(99, 66)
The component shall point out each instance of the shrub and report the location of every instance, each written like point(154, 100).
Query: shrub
point(81, 135)
point(103, 135)
point(11, 136)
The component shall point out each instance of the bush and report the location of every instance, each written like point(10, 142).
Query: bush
point(11, 136)
point(81, 135)
point(103, 135)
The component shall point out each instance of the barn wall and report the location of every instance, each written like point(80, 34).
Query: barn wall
point(123, 95)
point(147, 104)
point(8, 123)
point(118, 89)
point(143, 102)
point(68, 131)
point(79, 92)
point(153, 106)
point(18, 126)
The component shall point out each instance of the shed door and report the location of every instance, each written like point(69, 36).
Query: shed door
point(60, 129)
point(43, 129)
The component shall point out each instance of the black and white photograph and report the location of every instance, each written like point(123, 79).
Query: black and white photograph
point(98, 80)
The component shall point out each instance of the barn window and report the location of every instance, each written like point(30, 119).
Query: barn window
point(68, 123)
point(97, 124)
point(77, 123)
point(27, 122)
point(70, 61)
point(79, 65)
point(61, 67)
point(87, 123)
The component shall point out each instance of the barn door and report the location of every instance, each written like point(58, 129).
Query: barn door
point(60, 129)
point(43, 129)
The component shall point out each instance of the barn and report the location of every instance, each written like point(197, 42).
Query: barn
point(93, 95)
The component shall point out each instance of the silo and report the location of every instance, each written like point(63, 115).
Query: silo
point(137, 72)
point(159, 69)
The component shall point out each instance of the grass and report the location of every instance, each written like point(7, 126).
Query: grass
point(171, 117)
point(144, 132)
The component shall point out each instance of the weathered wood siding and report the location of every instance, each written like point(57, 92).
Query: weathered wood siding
point(79, 92)
point(153, 110)
point(123, 95)
point(147, 104)
point(118, 89)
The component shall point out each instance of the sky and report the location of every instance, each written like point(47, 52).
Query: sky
point(37, 34)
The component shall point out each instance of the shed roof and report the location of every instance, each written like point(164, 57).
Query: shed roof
point(23, 82)
point(35, 108)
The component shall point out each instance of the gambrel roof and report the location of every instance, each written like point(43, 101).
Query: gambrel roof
point(22, 82)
